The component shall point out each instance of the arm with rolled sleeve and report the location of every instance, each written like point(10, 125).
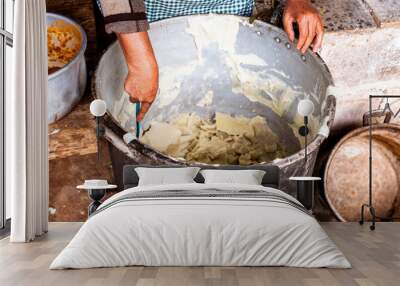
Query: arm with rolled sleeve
point(124, 16)
point(127, 19)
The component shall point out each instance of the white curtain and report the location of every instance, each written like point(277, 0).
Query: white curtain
point(26, 124)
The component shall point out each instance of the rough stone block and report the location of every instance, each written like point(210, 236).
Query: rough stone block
point(345, 15)
point(363, 56)
point(385, 12)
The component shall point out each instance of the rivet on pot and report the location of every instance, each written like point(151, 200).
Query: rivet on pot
point(277, 39)
point(303, 57)
point(288, 46)
point(258, 33)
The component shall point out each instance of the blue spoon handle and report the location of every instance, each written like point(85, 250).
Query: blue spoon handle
point(137, 122)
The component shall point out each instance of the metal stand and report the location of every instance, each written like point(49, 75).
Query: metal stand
point(303, 131)
point(370, 205)
point(305, 194)
point(100, 131)
point(96, 195)
point(305, 191)
point(372, 211)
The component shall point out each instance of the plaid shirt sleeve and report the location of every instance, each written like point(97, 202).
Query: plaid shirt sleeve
point(124, 16)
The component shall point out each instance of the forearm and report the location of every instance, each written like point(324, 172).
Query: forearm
point(138, 51)
point(124, 16)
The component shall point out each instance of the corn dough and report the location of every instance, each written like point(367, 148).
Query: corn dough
point(224, 140)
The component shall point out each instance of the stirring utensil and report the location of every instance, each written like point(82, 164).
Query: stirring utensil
point(137, 122)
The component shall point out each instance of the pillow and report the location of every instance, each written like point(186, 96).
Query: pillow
point(165, 176)
point(248, 177)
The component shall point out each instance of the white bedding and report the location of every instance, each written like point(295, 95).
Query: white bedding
point(185, 231)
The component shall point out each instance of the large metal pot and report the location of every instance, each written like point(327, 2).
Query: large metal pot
point(199, 54)
point(67, 85)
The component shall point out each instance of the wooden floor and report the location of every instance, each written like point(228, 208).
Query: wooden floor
point(375, 257)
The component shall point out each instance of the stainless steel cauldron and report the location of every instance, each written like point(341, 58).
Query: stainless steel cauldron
point(67, 85)
point(250, 69)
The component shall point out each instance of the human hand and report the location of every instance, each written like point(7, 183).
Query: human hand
point(141, 83)
point(310, 24)
point(142, 86)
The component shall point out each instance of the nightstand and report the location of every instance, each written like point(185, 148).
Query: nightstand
point(96, 190)
point(305, 190)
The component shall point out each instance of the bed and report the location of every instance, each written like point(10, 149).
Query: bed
point(201, 224)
